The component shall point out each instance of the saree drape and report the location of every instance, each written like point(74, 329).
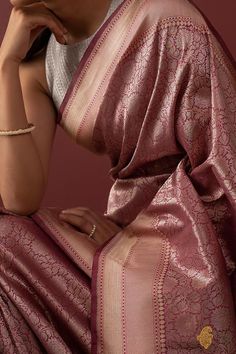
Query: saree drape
point(156, 92)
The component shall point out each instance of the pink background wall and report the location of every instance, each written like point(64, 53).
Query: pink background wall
point(78, 177)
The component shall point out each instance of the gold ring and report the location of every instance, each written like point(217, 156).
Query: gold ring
point(93, 231)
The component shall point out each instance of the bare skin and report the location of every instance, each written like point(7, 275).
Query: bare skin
point(81, 18)
point(25, 159)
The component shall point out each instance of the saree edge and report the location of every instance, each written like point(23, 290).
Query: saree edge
point(83, 62)
point(94, 286)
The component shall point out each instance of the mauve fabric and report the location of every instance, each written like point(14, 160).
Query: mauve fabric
point(44, 296)
point(165, 115)
point(167, 120)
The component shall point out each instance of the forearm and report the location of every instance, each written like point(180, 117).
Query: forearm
point(21, 179)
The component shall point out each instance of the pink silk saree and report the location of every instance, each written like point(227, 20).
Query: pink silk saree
point(156, 92)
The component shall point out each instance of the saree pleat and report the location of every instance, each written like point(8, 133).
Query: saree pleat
point(162, 107)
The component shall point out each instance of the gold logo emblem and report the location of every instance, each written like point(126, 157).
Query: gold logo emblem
point(205, 337)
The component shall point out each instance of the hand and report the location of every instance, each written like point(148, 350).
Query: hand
point(84, 218)
point(25, 24)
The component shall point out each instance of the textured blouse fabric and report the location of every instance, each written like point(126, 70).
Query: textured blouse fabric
point(62, 60)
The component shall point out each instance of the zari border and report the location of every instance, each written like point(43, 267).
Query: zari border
point(44, 222)
point(88, 56)
point(123, 312)
point(158, 298)
point(94, 292)
point(91, 112)
point(77, 114)
point(160, 270)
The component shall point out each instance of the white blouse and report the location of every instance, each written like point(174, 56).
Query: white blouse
point(62, 60)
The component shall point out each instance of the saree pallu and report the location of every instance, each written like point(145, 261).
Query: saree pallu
point(156, 92)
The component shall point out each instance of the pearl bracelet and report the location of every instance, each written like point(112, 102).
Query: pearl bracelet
point(18, 131)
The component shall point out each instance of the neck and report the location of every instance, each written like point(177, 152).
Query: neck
point(87, 22)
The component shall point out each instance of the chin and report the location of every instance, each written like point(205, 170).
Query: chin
point(21, 2)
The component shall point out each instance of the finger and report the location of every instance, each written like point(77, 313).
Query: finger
point(87, 213)
point(81, 223)
point(69, 226)
point(40, 16)
point(58, 32)
point(36, 32)
point(93, 217)
point(19, 3)
point(102, 232)
point(101, 218)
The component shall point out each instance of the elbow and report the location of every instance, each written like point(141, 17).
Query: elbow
point(22, 204)
point(20, 210)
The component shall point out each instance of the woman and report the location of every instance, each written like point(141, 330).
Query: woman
point(150, 86)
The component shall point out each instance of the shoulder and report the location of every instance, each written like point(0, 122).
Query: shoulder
point(33, 72)
point(159, 10)
point(177, 22)
point(160, 21)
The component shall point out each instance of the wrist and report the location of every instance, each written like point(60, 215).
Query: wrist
point(7, 62)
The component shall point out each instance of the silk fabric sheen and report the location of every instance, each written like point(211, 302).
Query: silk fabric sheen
point(156, 92)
